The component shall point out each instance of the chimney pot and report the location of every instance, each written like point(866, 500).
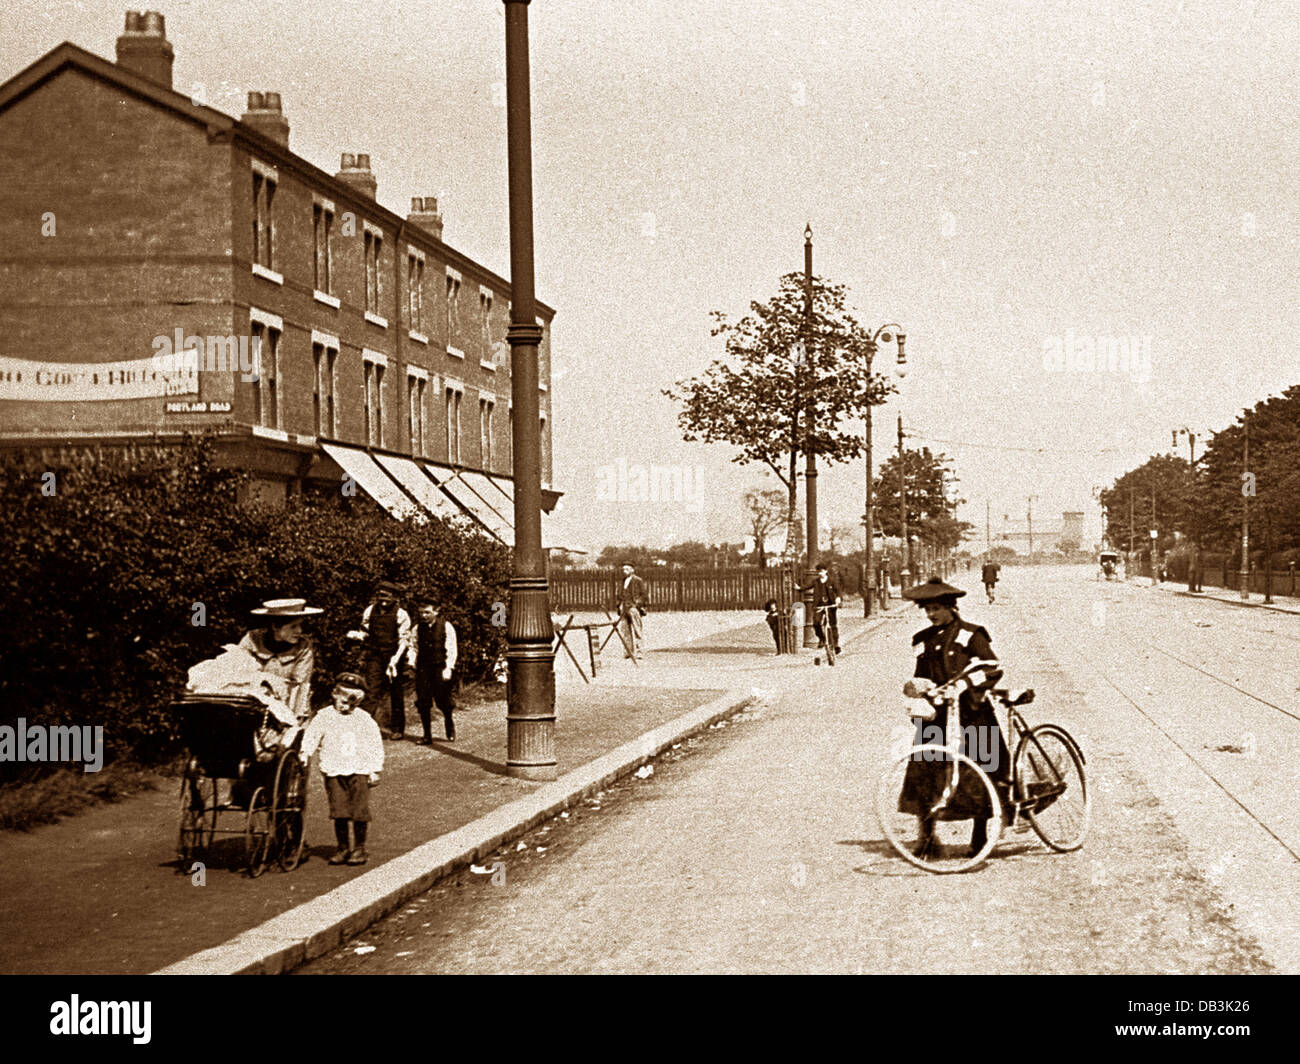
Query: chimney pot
point(273, 101)
point(144, 49)
point(424, 213)
point(355, 173)
point(255, 101)
point(264, 115)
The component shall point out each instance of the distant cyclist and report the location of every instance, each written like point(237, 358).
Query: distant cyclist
point(989, 574)
point(826, 593)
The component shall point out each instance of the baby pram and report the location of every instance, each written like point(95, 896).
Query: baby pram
point(234, 737)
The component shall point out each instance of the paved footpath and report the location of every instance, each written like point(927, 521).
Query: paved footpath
point(103, 893)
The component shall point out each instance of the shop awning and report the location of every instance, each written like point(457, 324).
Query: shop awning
point(363, 469)
point(471, 502)
point(411, 477)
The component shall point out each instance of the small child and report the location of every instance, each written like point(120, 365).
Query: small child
point(351, 757)
point(773, 617)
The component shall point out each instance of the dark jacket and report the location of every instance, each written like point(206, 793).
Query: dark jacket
point(632, 595)
point(942, 654)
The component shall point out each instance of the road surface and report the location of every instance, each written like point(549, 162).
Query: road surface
point(753, 848)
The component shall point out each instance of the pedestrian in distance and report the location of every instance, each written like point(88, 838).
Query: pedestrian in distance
point(631, 609)
point(385, 634)
point(989, 576)
point(351, 759)
point(433, 657)
point(772, 614)
point(944, 651)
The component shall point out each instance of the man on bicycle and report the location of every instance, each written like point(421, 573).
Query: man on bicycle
point(989, 575)
point(945, 650)
point(826, 595)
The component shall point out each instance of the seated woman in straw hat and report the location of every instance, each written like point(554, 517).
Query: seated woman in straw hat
point(282, 649)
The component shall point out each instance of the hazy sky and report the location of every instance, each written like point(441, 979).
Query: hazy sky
point(997, 176)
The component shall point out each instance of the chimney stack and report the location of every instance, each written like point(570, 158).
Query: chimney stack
point(424, 213)
point(265, 116)
point(356, 172)
point(144, 49)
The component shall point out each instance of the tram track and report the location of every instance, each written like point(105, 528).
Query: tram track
point(1062, 639)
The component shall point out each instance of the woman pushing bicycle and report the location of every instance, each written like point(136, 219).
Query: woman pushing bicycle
point(947, 649)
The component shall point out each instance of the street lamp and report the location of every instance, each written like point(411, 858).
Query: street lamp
point(530, 654)
point(886, 333)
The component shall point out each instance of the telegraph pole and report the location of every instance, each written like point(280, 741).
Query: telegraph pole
point(1030, 501)
point(902, 508)
point(1245, 510)
point(810, 467)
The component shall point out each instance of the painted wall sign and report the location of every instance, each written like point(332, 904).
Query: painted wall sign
point(197, 408)
point(79, 382)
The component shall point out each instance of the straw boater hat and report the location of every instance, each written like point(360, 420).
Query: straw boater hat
point(286, 609)
point(934, 590)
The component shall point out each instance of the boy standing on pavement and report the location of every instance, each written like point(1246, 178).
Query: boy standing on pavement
point(433, 655)
point(351, 758)
point(387, 630)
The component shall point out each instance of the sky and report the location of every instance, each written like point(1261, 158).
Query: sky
point(1015, 182)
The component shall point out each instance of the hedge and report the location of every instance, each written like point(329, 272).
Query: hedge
point(137, 566)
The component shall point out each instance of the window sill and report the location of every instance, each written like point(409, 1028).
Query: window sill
point(488, 365)
point(418, 337)
point(327, 299)
point(541, 386)
point(270, 275)
point(375, 319)
point(455, 352)
point(270, 433)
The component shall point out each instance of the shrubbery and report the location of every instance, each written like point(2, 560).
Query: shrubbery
point(107, 577)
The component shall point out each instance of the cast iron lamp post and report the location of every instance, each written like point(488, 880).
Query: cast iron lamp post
point(886, 333)
point(530, 657)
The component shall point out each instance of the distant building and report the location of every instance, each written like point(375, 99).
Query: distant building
point(155, 249)
point(1047, 536)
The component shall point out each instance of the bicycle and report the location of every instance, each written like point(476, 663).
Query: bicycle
point(830, 633)
point(988, 588)
point(1048, 785)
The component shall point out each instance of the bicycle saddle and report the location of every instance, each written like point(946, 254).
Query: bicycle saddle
point(1020, 697)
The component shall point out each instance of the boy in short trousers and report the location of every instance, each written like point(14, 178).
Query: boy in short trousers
point(351, 758)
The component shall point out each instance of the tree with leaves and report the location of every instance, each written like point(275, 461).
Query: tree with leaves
point(931, 508)
point(783, 361)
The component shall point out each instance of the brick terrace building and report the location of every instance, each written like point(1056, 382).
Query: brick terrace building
point(137, 218)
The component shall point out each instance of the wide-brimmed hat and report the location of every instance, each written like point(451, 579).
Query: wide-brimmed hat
point(387, 585)
point(286, 609)
point(933, 590)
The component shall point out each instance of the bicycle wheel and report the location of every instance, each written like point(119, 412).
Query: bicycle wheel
point(950, 849)
point(830, 648)
point(1050, 781)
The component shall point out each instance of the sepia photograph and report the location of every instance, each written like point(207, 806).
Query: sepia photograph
point(572, 487)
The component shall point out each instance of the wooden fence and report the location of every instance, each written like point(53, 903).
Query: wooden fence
point(667, 589)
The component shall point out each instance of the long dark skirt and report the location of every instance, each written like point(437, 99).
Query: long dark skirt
point(928, 774)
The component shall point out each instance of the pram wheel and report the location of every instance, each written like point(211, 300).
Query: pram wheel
point(257, 833)
point(198, 812)
point(289, 803)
